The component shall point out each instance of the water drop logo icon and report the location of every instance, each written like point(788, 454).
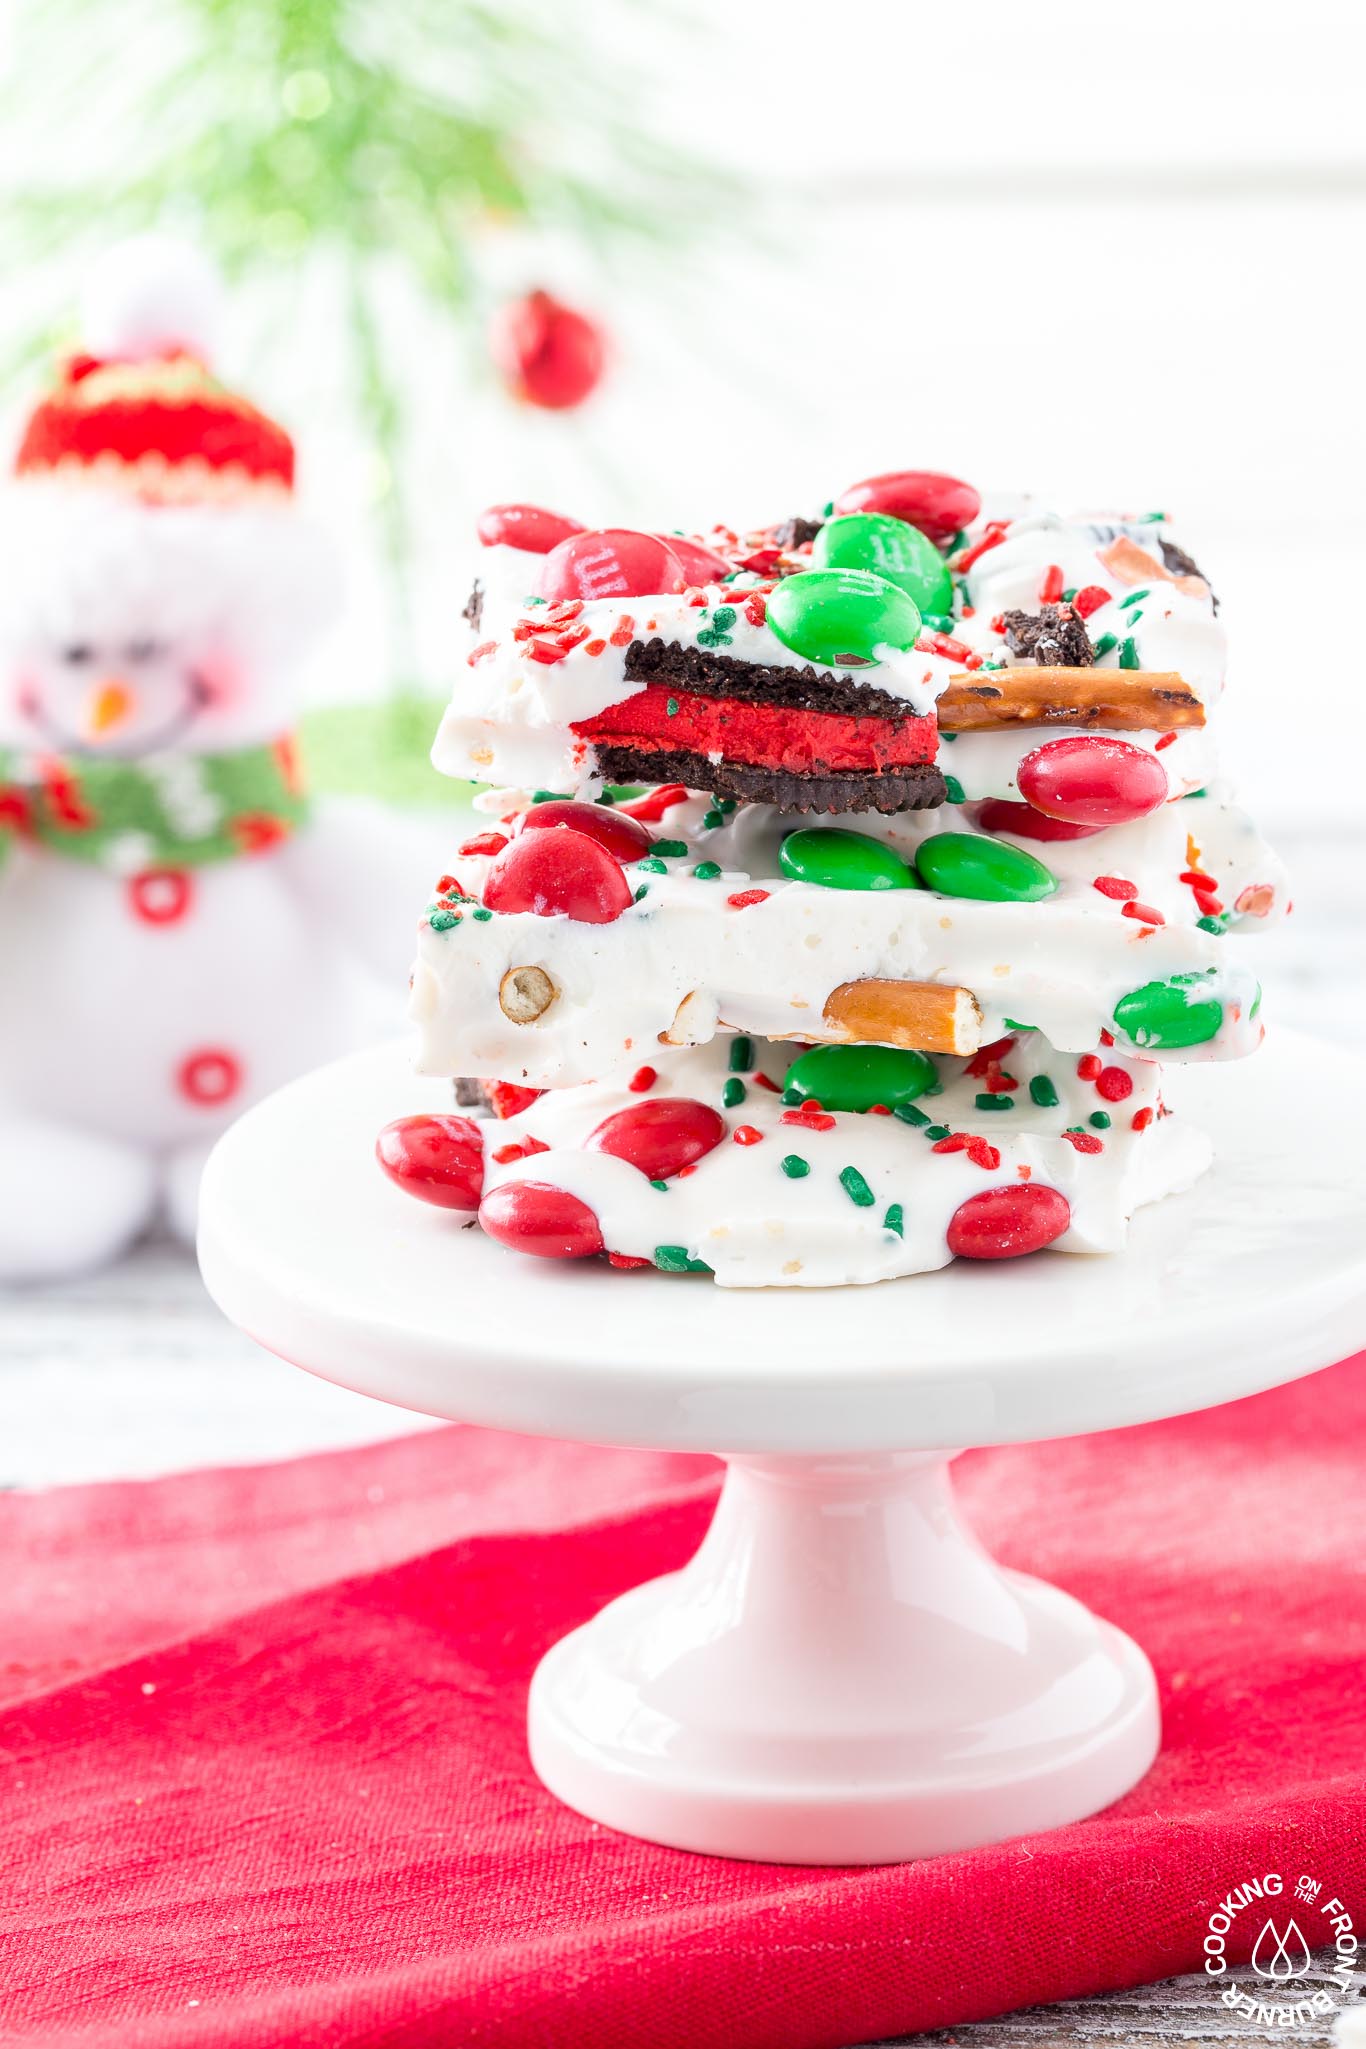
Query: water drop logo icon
point(1281, 1957)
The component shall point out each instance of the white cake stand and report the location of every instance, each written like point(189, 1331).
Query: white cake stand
point(841, 1674)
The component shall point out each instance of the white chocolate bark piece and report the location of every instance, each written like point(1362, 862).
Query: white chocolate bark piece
point(687, 960)
point(755, 1223)
point(510, 717)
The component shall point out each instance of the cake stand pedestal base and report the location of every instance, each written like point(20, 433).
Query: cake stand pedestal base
point(841, 1675)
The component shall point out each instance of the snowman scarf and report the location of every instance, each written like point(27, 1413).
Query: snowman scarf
point(166, 811)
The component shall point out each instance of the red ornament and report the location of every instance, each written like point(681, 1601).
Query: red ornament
point(1005, 1223)
point(438, 1159)
point(622, 837)
point(161, 896)
point(529, 527)
point(1000, 814)
point(563, 871)
point(940, 506)
point(210, 1077)
point(700, 565)
point(546, 353)
point(611, 562)
point(1092, 780)
point(533, 1217)
point(661, 1137)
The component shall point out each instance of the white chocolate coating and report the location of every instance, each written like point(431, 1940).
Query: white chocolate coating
point(756, 1226)
point(1061, 964)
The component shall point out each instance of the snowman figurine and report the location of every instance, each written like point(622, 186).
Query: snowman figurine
point(178, 931)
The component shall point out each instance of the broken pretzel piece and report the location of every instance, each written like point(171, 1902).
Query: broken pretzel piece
point(1122, 701)
point(922, 1017)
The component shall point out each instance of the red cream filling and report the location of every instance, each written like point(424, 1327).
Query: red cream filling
point(801, 742)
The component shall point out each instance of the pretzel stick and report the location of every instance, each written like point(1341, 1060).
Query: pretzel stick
point(1125, 701)
point(925, 1017)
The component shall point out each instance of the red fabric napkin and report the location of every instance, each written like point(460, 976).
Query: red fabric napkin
point(265, 1779)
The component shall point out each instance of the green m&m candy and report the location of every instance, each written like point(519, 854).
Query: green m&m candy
point(843, 860)
point(971, 864)
point(856, 1077)
point(890, 548)
point(841, 616)
point(1170, 1013)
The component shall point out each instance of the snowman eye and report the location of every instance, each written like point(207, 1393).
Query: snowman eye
point(143, 650)
point(78, 652)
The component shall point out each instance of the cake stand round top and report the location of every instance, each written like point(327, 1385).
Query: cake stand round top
point(1255, 1276)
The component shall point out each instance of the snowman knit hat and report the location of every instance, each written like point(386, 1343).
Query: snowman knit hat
point(140, 411)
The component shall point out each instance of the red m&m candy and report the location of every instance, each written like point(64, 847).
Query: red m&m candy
point(999, 814)
point(529, 527)
point(661, 1136)
point(623, 838)
point(547, 1222)
point(1005, 1223)
point(940, 506)
point(700, 565)
point(558, 873)
point(438, 1159)
point(1091, 779)
point(611, 562)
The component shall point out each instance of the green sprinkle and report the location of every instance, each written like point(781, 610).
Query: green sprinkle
point(955, 789)
point(741, 1054)
point(909, 1113)
point(1105, 643)
point(707, 871)
point(894, 1219)
point(939, 622)
point(1001, 1102)
point(482, 915)
point(711, 819)
point(1068, 596)
point(1133, 599)
point(826, 510)
point(733, 1093)
point(651, 866)
point(725, 805)
point(1128, 653)
point(936, 1131)
point(441, 921)
point(549, 797)
point(856, 1188)
point(1152, 518)
point(1042, 1092)
point(951, 738)
point(1100, 1119)
point(672, 707)
point(644, 890)
point(662, 1186)
point(1013, 1025)
point(673, 1259)
point(1201, 792)
point(668, 850)
point(1215, 925)
point(992, 664)
point(1134, 618)
point(795, 1167)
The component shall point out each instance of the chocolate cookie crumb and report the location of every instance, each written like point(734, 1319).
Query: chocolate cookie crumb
point(469, 1093)
point(1178, 563)
point(474, 606)
point(1054, 637)
point(795, 531)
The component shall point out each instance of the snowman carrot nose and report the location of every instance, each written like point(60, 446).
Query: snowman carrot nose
point(109, 704)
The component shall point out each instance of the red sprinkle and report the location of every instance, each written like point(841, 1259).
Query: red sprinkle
point(765, 1083)
point(485, 647)
point(448, 885)
point(1164, 740)
point(643, 1078)
point(1088, 1067)
point(745, 1134)
point(521, 1151)
point(978, 1150)
point(546, 652)
point(1050, 590)
point(1207, 905)
point(1083, 1141)
point(1115, 886)
point(1197, 879)
point(879, 1110)
point(625, 1260)
point(1107, 1038)
point(483, 843)
point(809, 1119)
point(1140, 1120)
point(651, 808)
point(743, 898)
point(1114, 1084)
point(597, 647)
point(987, 1057)
point(1145, 912)
point(1090, 599)
point(624, 632)
point(992, 538)
point(756, 609)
